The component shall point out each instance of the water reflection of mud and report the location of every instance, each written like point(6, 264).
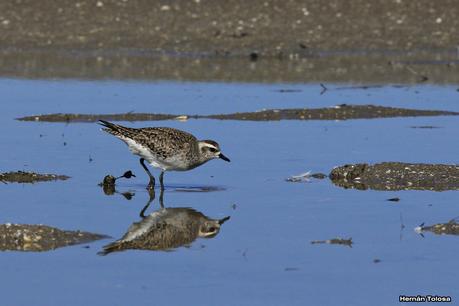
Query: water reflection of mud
point(397, 176)
point(166, 229)
point(449, 228)
point(134, 64)
point(39, 238)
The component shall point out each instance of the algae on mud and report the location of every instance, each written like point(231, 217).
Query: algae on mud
point(29, 177)
point(339, 112)
point(39, 238)
point(388, 176)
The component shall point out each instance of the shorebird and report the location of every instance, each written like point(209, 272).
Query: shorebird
point(165, 148)
point(166, 229)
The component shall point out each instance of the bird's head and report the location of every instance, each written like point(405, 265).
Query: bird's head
point(210, 228)
point(209, 149)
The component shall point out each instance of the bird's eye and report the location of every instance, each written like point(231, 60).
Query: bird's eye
point(213, 150)
point(212, 229)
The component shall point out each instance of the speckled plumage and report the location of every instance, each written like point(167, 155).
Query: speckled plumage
point(166, 229)
point(165, 148)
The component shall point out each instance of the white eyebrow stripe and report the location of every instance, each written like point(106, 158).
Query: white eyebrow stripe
point(211, 146)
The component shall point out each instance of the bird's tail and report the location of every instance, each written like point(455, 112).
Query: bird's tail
point(115, 129)
point(109, 248)
point(110, 126)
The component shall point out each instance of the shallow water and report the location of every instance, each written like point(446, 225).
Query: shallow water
point(263, 254)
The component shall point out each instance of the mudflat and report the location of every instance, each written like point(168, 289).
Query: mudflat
point(267, 41)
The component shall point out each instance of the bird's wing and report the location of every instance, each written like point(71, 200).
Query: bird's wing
point(161, 140)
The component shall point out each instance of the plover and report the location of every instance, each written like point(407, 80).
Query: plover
point(165, 148)
point(166, 229)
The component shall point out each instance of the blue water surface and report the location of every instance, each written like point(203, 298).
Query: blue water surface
point(263, 254)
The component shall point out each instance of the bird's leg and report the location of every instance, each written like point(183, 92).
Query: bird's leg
point(151, 194)
point(161, 198)
point(151, 184)
point(161, 182)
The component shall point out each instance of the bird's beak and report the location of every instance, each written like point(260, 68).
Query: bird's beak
point(223, 157)
point(221, 221)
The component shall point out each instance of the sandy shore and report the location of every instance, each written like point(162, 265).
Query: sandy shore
point(325, 40)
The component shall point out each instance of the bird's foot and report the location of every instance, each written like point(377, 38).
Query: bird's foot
point(151, 186)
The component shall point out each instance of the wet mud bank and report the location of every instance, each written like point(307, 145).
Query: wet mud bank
point(270, 28)
point(68, 118)
point(397, 176)
point(29, 177)
point(232, 40)
point(39, 238)
point(339, 112)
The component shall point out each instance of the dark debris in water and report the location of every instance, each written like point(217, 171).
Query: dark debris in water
point(425, 127)
point(339, 112)
point(29, 177)
point(341, 241)
point(288, 90)
point(109, 180)
point(397, 176)
point(39, 238)
point(291, 269)
point(449, 228)
point(108, 184)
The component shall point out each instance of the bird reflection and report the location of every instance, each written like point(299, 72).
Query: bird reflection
point(166, 229)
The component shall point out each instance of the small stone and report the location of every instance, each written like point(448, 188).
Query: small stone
point(182, 118)
point(254, 56)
